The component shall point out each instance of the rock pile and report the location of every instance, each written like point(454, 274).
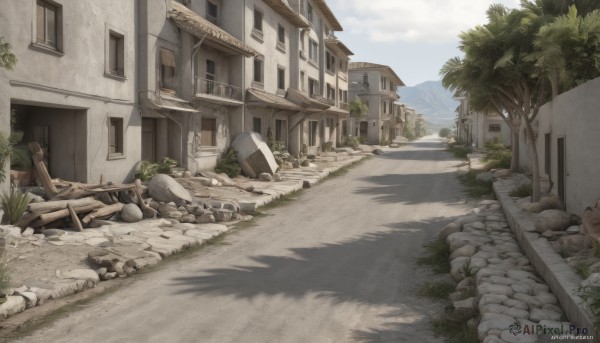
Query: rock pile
point(496, 279)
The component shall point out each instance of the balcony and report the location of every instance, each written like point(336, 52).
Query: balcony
point(344, 105)
point(217, 92)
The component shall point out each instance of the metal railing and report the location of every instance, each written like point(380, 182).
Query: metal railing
point(218, 89)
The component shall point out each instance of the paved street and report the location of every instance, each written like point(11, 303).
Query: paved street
point(337, 265)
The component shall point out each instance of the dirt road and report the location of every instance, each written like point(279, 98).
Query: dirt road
point(337, 265)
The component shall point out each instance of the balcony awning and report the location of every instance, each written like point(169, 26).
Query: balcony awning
point(283, 9)
point(261, 98)
point(159, 104)
point(187, 20)
point(307, 103)
point(329, 16)
point(337, 110)
point(336, 44)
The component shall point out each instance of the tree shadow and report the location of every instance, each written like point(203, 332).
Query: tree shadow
point(373, 269)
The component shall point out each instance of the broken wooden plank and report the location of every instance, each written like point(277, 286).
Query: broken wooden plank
point(27, 219)
point(46, 218)
point(37, 155)
point(51, 206)
point(102, 212)
point(74, 218)
point(148, 211)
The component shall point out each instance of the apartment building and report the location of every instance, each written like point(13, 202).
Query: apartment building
point(376, 85)
point(73, 89)
point(476, 128)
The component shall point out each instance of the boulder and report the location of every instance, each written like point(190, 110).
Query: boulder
point(254, 155)
point(378, 152)
point(164, 188)
point(12, 305)
point(81, 274)
point(305, 163)
point(265, 177)
point(131, 213)
point(276, 177)
point(591, 221)
point(555, 220)
point(464, 251)
point(448, 230)
point(572, 244)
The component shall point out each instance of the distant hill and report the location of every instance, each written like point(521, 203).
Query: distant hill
point(432, 100)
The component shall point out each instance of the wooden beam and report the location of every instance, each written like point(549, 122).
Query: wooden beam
point(37, 156)
point(74, 218)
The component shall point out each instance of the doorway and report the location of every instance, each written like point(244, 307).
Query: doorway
point(560, 149)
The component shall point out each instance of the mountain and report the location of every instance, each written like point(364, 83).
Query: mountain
point(432, 100)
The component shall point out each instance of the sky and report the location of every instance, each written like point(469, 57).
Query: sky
point(414, 37)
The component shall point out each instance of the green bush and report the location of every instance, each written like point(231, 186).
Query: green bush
point(228, 164)
point(436, 290)
point(351, 141)
point(165, 166)
point(277, 146)
point(522, 191)
point(5, 153)
point(327, 146)
point(444, 132)
point(460, 151)
point(14, 204)
point(147, 171)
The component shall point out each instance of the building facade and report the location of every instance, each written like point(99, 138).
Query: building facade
point(73, 89)
point(375, 85)
point(476, 128)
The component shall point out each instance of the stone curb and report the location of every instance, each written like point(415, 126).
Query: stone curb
point(563, 281)
point(20, 302)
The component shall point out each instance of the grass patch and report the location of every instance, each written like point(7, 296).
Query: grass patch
point(436, 290)
point(437, 257)
point(522, 191)
point(476, 188)
point(583, 269)
point(460, 151)
point(455, 332)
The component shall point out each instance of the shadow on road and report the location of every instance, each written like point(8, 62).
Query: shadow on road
point(412, 188)
point(374, 269)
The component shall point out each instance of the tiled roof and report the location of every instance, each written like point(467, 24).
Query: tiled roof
point(193, 23)
point(374, 66)
point(262, 98)
point(287, 12)
point(339, 45)
point(329, 16)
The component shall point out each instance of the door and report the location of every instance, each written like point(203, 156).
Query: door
point(149, 139)
point(561, 169)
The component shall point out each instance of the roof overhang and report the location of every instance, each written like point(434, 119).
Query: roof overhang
point(329, 16)
point(159, 104)
point(187, 20)
point(306, 102)
point(255, 97)
point(338, 46)
point(284, 10)
point(373, 66)
point(338, 111)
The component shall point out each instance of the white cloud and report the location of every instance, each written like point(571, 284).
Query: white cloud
point(431, 21)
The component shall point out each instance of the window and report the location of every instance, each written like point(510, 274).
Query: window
point(391, 85)
point(280, 130)
point(383, 83)
point(48, 22)
point(330, 92)
point(115, 137)
point(281, 78)
point(302, 36)
point(494, 128)
point(210, 76)
point(313, 50)
point(330, 61)
point(167, 69)
point(281, 34)
point(208, 133)
point(258, 69)
point(256, 125)
point(548, 153)
point(258, 20)
point(313, 127)
point(212, 12)
point(309, 12)
point(344, 97)
point(313, 87)
point(116, 54)
point(385, 107)
point(365, 79)
point(302, 81)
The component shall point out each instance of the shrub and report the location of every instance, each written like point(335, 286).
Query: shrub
point(436, 290)
point(5, 152)
point(327, 146)
point(228, 164)
point(460, 151)
point(362, 139)
point(351, 141)
point(522, 191)
point(147, 171)
point(277, 146)
point(165, 166)
point(4, 279)
point(444, 133)
point(14, 204)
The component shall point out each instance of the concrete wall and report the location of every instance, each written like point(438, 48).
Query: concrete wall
point(482, 133)
point(573, 116)
point(71, 83)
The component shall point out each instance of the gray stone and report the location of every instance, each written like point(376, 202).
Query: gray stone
point(538, 314)
point(464, 251)
point(492, 299)
point(509, 337)
point(554, 220)
point(498, 322)
point(28, 232)
point(575, 229)
point(98, 242)
point(448, 230)
point(378, 152)
point(265, 177)
point(131, 213)
point(205, 218)
point(488, 288)
point(223, 215)
point(176, 215)
point(571, 245)
point(306, 184)
point(30, 299)
point(277, 177)
point(12, 305)
point(305, 163)
point(254, 155)
point(53, 232)
point(165, 189)
point(455, 296)
point(485, 177)
point(188, 218)
point(81, 274)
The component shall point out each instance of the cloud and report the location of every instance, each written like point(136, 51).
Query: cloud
point(430, 21)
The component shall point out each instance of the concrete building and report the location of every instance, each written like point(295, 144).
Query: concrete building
point(73, 89)
point(420, 126)
point(376, 85)
point(567, 141)
point(477, 128)
point(410, 117)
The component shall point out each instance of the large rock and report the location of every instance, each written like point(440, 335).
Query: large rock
point(254, 155)
point(448, 230)
point(555, 220)
point(591, 221)
point(12, 305)
point(164, 188)
point(131, 213)
point(571, 245)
